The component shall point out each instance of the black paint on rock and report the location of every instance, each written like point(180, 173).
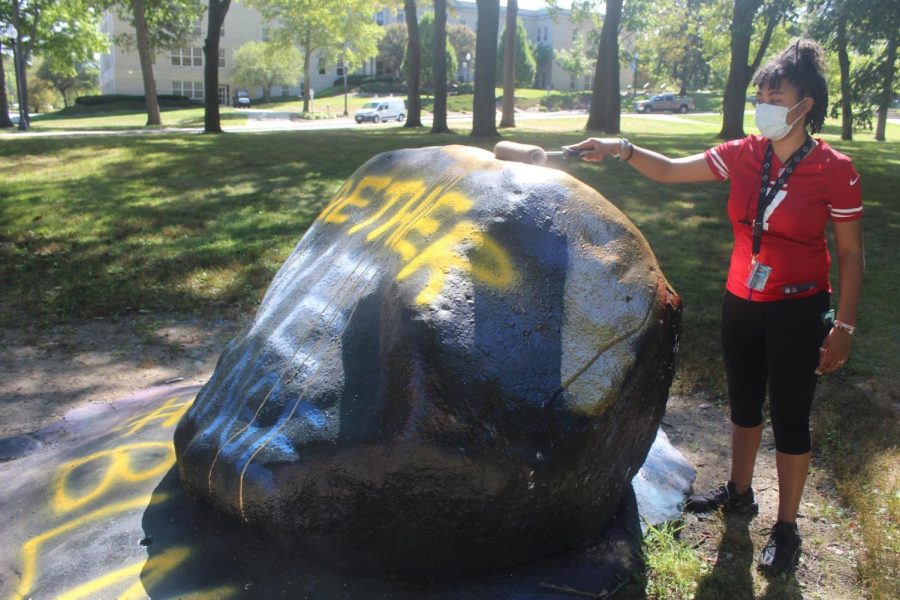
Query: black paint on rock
point(462, 364)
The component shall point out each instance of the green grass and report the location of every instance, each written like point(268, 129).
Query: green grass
point(674, 567)
point(110, 225)
point(128, 118)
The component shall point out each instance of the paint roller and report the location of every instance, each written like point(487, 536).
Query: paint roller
point(528, 154)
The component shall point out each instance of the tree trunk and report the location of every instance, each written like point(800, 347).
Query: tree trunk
point(19, 67)
point(413, 66)
point(508, 116)
point(212, 119)
point(739, 72)
point(606, 108)
point(484, 105)
point(846, 94)
point(142, 33)
point(307, 57)
point(439, 68)
point(5, 121)
point(885, 100)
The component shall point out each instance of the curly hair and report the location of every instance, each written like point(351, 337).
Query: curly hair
point(803, 65)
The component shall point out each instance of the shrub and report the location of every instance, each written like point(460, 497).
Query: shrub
point(164, 100)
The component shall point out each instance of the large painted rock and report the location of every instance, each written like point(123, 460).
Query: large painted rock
point(463, 363)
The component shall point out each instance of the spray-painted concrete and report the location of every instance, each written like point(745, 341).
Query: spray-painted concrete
point(462, 364)
point(95, 510)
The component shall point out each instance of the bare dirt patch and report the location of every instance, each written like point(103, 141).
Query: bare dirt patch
point(700, 428)
point(47, 371)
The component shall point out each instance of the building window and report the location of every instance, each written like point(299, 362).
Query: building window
point(379, 68)
point(222, 32)
point(187, 57)
point(401, 16)
point(197, 30)
point(588, 83)
point(379, 17)
point(285, 91)
point(265, 34)
point(546, 34)
point(221, 58)
point(189, 89)
point(321, 65)
point(340, 67)
point(573, 82)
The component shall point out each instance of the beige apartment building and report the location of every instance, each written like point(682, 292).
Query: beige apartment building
point(181, 71)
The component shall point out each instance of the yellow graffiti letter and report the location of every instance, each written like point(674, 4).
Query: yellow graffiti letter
point(119, 467)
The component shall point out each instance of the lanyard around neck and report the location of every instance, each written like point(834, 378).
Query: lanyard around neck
point(767, 194)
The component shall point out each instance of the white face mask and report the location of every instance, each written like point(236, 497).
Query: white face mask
point(772, 122)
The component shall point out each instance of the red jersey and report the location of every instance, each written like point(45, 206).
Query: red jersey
point(823, 186)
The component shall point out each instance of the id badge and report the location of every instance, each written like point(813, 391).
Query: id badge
point(759, 275)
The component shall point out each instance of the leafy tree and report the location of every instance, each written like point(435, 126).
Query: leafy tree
point(577, 60)
point(543, 57)
point(508, 62)
point(42, 97)
point(605, 111)
point(678, 45)
point(392, 47)
point(443, 61)
point(319, 27)
point(49, 28)
point(413, 63)
point(66, 78)
point(426, 67)
point(484, 105)
point(869, 29)
point(264, 64)
point(212, 121)
point(158, 25)
point(525, 63)
point(463, 41)
point(745, 14)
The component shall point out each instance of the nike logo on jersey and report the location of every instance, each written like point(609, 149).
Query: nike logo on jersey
point(853, 181)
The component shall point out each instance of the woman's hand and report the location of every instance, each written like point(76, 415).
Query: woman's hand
point(835, 351)
point(596, 149)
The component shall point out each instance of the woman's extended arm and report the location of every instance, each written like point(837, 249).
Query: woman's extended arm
point(650, 164)
point(836, 347)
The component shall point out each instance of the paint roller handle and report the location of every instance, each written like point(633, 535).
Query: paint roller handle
point(596, 149)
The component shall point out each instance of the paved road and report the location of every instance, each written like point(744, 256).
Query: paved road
point(260, 121)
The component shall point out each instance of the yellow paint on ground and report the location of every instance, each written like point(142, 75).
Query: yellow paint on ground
point(169, 413)
point(154, 568)
point(31, 547)
point(119, 469)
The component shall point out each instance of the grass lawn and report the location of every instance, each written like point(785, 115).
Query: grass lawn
point(109, 225)
point(121, 119)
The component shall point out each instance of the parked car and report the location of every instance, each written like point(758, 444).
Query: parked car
point(241, 98)
point(383, 109)
point(670, 102)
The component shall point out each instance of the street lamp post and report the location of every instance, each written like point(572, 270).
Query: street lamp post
point(345, 67)
point(12, 35)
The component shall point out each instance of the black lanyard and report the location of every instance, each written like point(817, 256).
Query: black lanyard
point(766, 194)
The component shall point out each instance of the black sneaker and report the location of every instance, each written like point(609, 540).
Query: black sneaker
point(782, 552)
point(726, 498)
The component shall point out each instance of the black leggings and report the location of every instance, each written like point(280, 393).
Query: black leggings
point(775, 343)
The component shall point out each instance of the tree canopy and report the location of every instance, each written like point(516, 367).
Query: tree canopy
point(265, 64)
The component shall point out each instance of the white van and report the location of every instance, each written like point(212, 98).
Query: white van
point(382, 109)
